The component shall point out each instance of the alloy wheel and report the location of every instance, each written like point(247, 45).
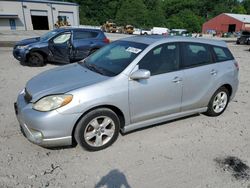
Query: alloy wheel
point(220, 102)
point(99, 131)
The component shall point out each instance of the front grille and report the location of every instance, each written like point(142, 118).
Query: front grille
point(27, 96)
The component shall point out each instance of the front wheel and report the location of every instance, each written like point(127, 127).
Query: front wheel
point(97, 130)
point(36, 59)
point(218, 103)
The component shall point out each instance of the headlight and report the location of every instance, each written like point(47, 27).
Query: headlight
point(52, 102)
point(22, 47)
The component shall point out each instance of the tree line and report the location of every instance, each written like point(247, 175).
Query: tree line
point(188, 14)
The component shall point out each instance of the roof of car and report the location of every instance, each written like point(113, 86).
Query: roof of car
point(150, 39)
point(77, 29)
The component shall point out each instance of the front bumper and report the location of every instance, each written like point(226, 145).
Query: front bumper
point(47, 129)
point(20, 54)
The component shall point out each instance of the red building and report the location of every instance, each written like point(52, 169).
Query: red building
point(227, 23)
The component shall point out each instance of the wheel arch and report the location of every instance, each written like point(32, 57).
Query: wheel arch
point(115, 109)
point(229, 88)
point(44, 54)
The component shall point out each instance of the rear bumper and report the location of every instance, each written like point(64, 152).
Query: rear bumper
point(235, 88)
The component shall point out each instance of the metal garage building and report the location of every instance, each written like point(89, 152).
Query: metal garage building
point(36, 14)
point(227, 23)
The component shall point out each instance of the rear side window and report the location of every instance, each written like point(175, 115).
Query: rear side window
point(222, 54)
point(78, 35)
point(195, 54)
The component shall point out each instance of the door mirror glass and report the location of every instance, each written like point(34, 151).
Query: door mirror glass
point(61, 38)
point(140, 74)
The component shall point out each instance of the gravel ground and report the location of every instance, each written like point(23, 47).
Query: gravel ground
point(178, 154)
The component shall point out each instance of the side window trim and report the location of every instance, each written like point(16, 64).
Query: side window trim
point(213, 55)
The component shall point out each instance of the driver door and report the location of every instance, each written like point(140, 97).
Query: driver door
point(159, 95)
point(61, 48)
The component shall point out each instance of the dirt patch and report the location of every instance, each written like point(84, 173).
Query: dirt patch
point(236, 166)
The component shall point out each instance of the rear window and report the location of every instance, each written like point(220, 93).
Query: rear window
point(222, 54)
point(78, 35)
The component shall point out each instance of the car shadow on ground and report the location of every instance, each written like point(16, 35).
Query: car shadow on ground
point(74, 144)
point(114, 178)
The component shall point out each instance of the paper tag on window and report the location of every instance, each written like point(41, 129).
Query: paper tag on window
point(133, 50)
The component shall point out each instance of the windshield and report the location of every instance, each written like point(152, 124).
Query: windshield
point(48, 35)
point(113, 58)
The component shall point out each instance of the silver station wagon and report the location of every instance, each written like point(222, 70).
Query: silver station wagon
point(129, 84)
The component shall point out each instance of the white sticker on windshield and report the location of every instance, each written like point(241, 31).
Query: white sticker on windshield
point(133, 50)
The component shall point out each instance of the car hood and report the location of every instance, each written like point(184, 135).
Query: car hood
point(28, 41)
point(61, 80)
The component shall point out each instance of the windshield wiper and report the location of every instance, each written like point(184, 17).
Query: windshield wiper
point(94, 68)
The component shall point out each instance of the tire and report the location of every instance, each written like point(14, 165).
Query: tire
point(222, 98)
point(92, 135)
point(36, 59)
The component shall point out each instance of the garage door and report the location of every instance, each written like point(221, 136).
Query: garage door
point(39, 19)
point(69, 16)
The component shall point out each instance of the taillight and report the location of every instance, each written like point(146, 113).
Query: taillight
point(236, 64)
point(106, 40)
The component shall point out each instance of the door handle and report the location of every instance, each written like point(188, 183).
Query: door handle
point(177, 79)
point(213, 72)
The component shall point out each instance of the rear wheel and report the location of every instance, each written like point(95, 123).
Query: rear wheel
point(36, 59)
point(98, 129)
point(218, 103)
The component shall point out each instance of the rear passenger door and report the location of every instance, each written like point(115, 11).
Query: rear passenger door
point(199, 74)
point(83, 43)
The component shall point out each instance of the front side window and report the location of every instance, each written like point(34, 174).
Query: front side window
point(161, 59)
point(79, 35)
point(113, 58)
point(195, 54)
point(62, 38)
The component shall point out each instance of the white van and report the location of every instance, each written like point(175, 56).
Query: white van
point(160, 31)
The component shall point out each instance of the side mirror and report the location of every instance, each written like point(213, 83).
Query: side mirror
point(140, 74)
